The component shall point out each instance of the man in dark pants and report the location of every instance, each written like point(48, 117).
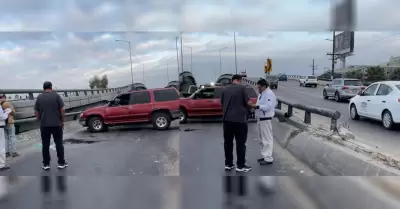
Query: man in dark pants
point(49, 109)
point(235, 103)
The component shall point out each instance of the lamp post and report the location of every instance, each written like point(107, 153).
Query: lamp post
point(130, 55)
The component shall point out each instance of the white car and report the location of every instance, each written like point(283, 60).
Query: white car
point(308, 80)
point(379, 101)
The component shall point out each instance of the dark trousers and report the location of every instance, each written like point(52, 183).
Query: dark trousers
point(237, 131)
point(57, 133)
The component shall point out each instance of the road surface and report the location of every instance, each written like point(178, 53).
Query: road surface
point(369, 132)
point(180, 168)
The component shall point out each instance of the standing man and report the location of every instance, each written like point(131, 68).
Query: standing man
point(235, 103)
point(265, 111)
point(49, 109)
point(9, 131)
point(3, 117)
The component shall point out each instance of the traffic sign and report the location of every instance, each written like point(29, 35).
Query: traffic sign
point(268, 66)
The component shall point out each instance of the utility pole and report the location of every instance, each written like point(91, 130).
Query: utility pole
point(313, 67)
point(234, 40)
point(177, 57)
point(181, 53)
point(333, 54)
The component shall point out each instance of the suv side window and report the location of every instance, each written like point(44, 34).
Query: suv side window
point(141, 97)
point(384, 90)
point(165, 95)
point(124, 99)
point(370, 90)
point(207, 93)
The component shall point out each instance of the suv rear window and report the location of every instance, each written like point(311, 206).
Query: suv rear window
point(353, 83)
point(312, 77)
point(164, 95)
point(250, 92)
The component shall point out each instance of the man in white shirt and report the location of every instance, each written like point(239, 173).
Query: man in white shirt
point(3, 117)
point(264, 112)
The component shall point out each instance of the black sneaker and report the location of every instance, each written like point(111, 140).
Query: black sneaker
point(229, 167)
point(4, 168)
point(266, 162)
point(14, 154)
point(260, 160)
point(244, 168)
point(62, 166)
point(8, 154)
point(46, 167)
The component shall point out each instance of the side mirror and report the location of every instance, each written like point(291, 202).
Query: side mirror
point(360, 93)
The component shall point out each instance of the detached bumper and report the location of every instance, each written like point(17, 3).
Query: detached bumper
point(175, 114)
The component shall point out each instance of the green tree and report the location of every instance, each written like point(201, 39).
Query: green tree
point(94, 82)
point(103, 82)
point(395, 75)
point(358, 74)
point(375, 74)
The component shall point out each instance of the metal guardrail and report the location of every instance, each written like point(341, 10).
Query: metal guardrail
point(332, 114)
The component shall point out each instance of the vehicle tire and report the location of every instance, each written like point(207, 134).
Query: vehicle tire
point(300, 84)
point(354, 113)
point(161, 120)
point(325, 95)
point(184, 117)
point(337, 97)
point(96, 124)
point(387, 120)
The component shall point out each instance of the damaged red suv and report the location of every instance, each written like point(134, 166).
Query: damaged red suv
point(154, 106)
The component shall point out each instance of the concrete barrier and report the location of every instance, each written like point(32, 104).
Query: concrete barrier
point(324, 153)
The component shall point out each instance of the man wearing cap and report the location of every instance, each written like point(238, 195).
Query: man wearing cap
point(3, 117)
point(49, 109)
point(9, 131)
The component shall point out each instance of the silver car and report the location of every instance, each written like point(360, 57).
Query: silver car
point(343, 88)
point(272, 81)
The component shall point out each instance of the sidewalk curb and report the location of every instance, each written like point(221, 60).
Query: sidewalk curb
point(315, 148)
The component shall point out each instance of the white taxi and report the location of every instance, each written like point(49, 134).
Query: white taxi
point(379, 101)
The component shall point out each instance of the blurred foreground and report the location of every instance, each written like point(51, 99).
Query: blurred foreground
point(199, 192)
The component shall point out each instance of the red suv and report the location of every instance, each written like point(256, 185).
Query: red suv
point(157, 106)
point(205, 102)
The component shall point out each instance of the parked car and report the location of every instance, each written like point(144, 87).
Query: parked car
point(379, 101)
point(308, 80)
point(205, 102)
point(154, 106)
point(273, 81)
point(343, 88)
point(282, 77)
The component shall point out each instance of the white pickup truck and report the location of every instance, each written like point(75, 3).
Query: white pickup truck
point(308, 80)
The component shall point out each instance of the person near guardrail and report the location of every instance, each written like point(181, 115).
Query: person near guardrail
point(235, 103)
point(265, 111)
point(3, 117)
point(49, 109)
point(9, 131)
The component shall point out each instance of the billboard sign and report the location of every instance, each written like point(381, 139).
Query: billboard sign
point(344, 43)
point(343, 15)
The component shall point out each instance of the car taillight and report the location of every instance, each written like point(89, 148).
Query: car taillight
point(345, 87)
point(398, 99)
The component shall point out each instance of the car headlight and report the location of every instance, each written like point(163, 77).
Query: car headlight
point(80, 115)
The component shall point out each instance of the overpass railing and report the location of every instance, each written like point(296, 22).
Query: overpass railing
point(72, 98)
point(308, 110)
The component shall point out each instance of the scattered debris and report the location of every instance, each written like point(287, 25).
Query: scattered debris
point(189, 129)
point(79, 141)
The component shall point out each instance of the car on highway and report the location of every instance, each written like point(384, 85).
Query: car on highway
point(308, 80)
point(205, 103)
point(153, 106)
point(282, 77)
point(273, 81)
point(379, 101)
point(342, 89)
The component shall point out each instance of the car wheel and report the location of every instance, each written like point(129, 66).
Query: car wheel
point(184, 116)
point(353, 112)
point(300, 84)
point(337, 97)
point(96, 125)
point(387, 120)
point(161, 121)
point(324, 94)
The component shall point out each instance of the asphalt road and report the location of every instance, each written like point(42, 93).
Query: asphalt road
point(370, 132)
point(180, 168)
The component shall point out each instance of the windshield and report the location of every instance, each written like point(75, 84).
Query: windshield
point(353, 83)
point(398, 87)
point(312, 77)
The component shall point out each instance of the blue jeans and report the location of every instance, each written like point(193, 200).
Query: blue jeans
point(9, 133)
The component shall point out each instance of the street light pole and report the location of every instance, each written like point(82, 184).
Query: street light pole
point(234, 40)
point(333, 55)
point(177, 57)
point(130, 55)
point(181, 53)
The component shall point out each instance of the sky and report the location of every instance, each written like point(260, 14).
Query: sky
point(69, 41)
